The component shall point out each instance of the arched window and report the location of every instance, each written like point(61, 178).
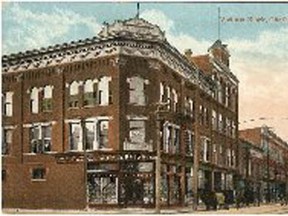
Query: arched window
point(90, 93)
point(47, 98)
point(34, 100)
point(8, 103)
point(73, 94)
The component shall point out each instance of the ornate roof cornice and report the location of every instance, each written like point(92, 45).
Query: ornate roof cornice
point(149, 41)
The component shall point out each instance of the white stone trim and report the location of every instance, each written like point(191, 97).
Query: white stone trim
point(137, 118)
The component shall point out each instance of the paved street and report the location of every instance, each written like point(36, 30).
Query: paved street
point(263, 209)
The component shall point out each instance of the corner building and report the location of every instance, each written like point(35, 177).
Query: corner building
point(81, 122)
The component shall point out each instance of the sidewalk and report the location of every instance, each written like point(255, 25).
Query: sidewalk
point(263, 209)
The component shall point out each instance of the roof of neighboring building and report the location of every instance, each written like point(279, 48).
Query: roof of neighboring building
point(203, 62)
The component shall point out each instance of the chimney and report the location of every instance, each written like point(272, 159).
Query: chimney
point(188, 53)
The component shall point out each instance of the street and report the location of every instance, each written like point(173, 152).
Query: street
point(263, 209)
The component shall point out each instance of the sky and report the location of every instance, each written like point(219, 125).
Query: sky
point(256, 34)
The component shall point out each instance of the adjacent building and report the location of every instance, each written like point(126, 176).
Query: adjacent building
point(264, 162)
point(82, 120)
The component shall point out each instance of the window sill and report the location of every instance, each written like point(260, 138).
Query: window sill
point(89, 106)
point(38, 180)
point(43, 153)
point(47, 111)
point(73, 108)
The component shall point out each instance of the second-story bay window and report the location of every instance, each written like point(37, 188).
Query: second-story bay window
point(47, 98)
point(95, 134)
point(8, 104)
point(171, 138)
point(40, 138)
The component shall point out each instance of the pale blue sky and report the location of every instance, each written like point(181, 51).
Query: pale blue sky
point(258, 49)
point(198, 20)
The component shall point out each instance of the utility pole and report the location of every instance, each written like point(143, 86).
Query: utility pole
point(268, 167)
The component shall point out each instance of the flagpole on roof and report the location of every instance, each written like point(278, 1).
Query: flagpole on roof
point(138, 10)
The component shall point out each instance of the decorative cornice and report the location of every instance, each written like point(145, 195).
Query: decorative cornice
point(144, 40)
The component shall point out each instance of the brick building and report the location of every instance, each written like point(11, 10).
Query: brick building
point(267, 164)
point(81, 121)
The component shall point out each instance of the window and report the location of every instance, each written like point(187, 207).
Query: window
point(228, 151)
point(220, 97)
point(103, 91)
point(47, 98)
point(171, 138)
point(90, 134)
point(8, 103)
point(167, 138)
point(174, 99)
point(89, 93)
point(34, 100)
point(6, 141)
point(73, 94)
point(137, 91)
point(137, 136)
point(103, 127)
point(214, 120)
point(40, 138)
point(38, 174)
point(205, 150)
point(137, 131)
point(176, 138)
point(189, 140)
point(96, 135)
point(191, 107)
point(162, 99)
point(75, 136)
point(4, 175)
point(220, 123)
point(102, 188)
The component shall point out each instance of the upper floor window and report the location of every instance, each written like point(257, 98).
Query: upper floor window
point(205, 149)
point(171, 138)
point(174, 99)
point(8, 103)
point(47, 98)
point(137, 90)
point(214, 120)
point(104, 94)
point(189, 140)
point(162, 98)
point(40, 138)
point(220, 123)
point(6, 141)
point(74, 94)
point(34, 100)
point(89, 93)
